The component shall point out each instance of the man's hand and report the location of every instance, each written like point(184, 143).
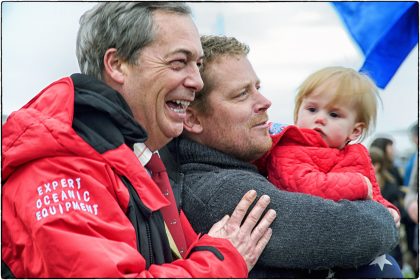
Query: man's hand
point(369, 185)
point(252, 236)
point(413, 211)
point(396, 216)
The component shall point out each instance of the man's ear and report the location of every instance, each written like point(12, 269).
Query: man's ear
point(357, 131)
point(192, 123)
point(113, 66)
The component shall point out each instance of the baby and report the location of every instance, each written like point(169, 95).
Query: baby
point(335, 106)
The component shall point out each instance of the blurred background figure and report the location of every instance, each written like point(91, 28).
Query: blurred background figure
point(390, 190)
point(387, 146)
point(393, 185)
point(414, 137)
point(411, 204)
point(411, 180)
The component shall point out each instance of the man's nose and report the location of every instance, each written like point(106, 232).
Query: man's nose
point(262, 103)
point(194, 80)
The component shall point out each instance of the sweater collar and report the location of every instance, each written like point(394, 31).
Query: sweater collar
point(188, 151)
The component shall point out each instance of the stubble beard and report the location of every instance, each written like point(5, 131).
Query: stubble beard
point(249, 149)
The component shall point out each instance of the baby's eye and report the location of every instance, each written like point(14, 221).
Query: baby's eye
point(311, 109)
point(334, 115)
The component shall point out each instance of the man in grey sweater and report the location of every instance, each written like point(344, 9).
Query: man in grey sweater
point(224, 131)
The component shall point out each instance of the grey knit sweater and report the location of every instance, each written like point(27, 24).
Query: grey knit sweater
point(308, 233)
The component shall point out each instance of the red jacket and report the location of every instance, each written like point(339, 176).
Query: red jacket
point(301, 161)
point(67, 210)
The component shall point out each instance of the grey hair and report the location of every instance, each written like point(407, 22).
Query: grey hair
point(126, 26)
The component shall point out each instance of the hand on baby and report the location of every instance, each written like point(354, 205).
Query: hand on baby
point(369, 185)
point(392, 211)
point(395, 215)
point(413, 211)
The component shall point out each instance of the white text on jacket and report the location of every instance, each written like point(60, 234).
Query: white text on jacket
point(62, 196)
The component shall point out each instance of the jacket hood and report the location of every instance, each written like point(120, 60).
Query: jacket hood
point(292, 135)
point(32, 132)
point(289, 135)
point(53, 123)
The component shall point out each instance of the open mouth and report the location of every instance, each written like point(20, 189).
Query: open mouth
point(178, 106)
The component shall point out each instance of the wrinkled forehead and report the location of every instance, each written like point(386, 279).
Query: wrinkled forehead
point(185, 35)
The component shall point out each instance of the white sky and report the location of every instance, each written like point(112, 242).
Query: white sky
point(288, 41)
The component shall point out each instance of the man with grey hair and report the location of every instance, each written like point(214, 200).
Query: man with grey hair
point(225, 130)
point(84, 192)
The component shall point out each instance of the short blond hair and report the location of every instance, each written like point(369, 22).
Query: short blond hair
point(353, 88)
point(215, 48)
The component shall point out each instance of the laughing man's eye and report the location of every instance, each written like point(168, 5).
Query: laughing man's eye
point(178, 64)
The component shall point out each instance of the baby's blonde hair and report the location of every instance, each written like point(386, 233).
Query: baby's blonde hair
point(353, 88)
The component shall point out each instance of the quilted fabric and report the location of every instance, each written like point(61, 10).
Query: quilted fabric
point(301, 161)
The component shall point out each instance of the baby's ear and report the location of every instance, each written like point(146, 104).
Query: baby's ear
point(192, 122)
point(357, 131)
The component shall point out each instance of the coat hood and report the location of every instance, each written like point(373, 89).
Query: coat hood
point(51, 124)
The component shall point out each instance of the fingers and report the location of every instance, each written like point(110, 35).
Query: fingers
point(242, 207)
point(262, 227)
point(262, 243)
point(255, 214)
point(395, 216)
point(397, 221)
point(215, 230)
point(413, 211)
point(259, 247)
point(369, 186)
point(220, 224)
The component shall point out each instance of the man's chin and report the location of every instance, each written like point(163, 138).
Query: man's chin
point(175, 130)
point(264, 142)
point(259, 148)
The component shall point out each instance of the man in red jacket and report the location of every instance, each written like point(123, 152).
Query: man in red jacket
point(77, 197)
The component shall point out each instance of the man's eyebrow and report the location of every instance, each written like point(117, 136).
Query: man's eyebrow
point(242, 85)
point(252, 83)
point(188, 53)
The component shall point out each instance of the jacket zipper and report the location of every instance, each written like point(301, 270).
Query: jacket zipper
point(149, 243)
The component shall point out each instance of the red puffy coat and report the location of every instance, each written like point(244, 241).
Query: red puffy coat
point(301, 161)
point(67, 210)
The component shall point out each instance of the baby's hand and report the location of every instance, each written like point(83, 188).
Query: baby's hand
point(395, 215)
point(369, 185)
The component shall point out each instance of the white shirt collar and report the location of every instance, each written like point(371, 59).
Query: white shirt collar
point(143, 153)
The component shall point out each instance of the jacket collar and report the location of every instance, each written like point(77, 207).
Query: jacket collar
point(102, 117)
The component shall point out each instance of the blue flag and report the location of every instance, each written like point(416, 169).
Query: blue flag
point(386, 32)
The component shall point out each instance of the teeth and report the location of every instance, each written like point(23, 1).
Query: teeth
point(182, 106)
point(183, 103)
point(178, 110)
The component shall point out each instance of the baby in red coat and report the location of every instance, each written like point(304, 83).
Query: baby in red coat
point(335, 106)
